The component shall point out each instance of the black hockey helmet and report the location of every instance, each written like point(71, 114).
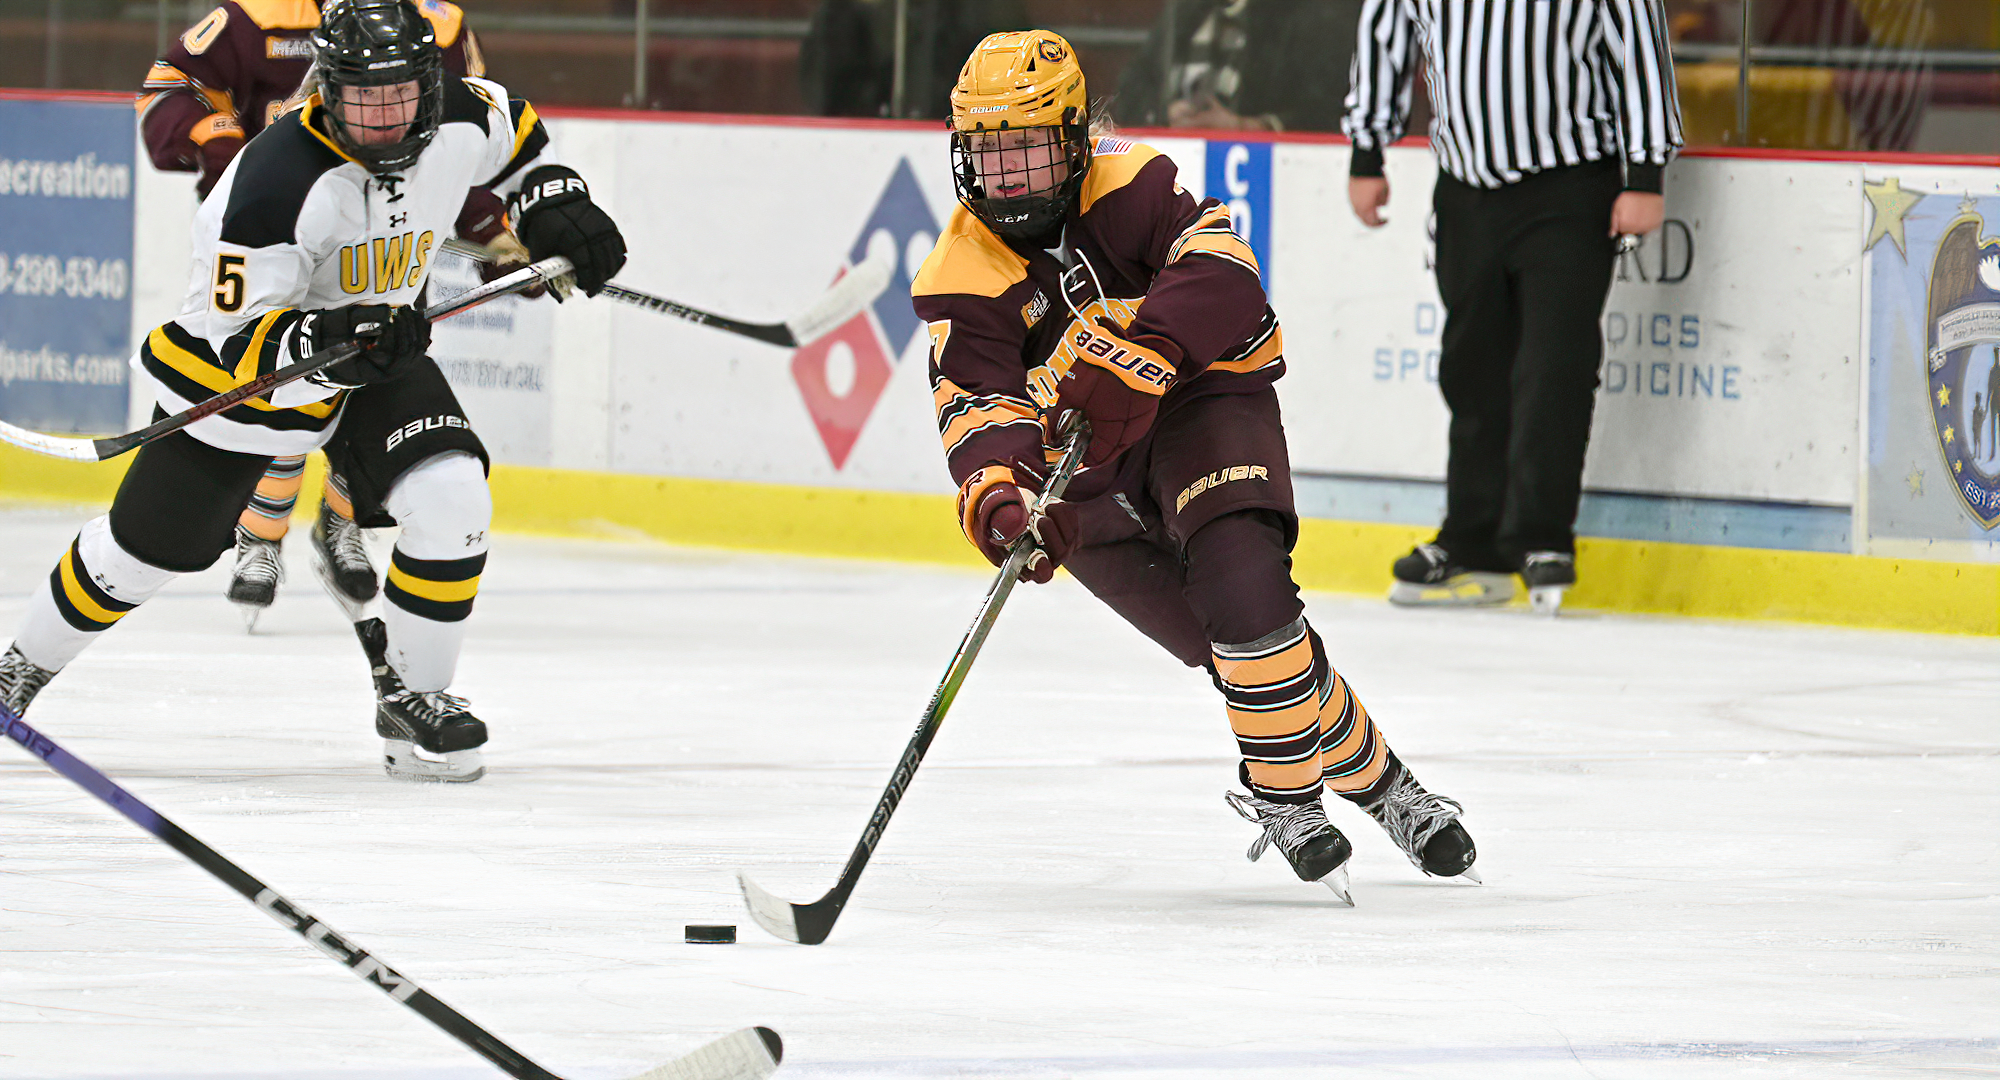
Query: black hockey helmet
point(379, 43)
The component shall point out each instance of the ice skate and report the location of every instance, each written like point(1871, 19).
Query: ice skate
point(1429, 577)
point(429, 736)
point(1316, 850)
point(260, 569)
point(20, 680)
point(1547, 574)
point(1426, 827)
point(340, 558)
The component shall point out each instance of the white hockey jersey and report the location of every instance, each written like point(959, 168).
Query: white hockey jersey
point(295, 225)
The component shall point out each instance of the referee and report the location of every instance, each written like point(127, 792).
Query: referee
point(1552, 121)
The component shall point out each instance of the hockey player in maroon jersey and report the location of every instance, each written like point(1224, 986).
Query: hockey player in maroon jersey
point(1077, 274)
point(221, 83)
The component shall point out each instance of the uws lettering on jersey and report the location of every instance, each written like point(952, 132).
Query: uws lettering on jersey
point(295, 225)
point(1003, 339)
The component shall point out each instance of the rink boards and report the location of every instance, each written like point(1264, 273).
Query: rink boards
point(1747, 458)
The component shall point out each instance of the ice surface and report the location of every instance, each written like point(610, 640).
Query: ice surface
point(1711, 849)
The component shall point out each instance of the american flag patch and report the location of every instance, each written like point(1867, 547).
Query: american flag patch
point(1112, 144)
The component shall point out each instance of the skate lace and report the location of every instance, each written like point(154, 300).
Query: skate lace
point(257, 559)
point(1434, 554)
point(21, 679)
point(1541, 558)
point(1286, 824)
point(344, 544)
point(1412, 815)
point(433, 707)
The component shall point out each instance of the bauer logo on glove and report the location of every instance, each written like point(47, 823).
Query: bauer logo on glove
point(1138, 367)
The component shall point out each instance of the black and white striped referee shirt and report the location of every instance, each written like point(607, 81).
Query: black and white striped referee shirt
point(1518, 85)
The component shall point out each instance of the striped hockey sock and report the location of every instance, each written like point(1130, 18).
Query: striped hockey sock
point(1275, 688)
point(269, 515)
point(95, 584)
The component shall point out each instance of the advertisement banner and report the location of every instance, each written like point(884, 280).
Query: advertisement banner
point(497, 358)
point(65, 264)
point(1933, 461)
point(1730, 360)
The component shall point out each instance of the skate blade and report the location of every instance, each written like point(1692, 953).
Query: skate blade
point(1469, 874)
point(1336, 880)
point(250, 613)
point(404, 761)
point(1546, 599)
point(355, 610)
point(1465, 590)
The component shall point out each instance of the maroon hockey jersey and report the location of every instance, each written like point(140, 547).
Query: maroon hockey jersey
point(231, 74)
point(1169, 266)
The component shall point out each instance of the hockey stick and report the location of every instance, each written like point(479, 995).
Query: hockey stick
point(855, 290)
point(113, 445)
point(809, 924)
point(749, 1054)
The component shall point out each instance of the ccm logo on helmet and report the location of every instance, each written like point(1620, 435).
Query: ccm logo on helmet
point(1112, 354)
point(418, 427)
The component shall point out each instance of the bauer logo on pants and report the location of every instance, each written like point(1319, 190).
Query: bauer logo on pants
point(418, 427)
point(1216, 479)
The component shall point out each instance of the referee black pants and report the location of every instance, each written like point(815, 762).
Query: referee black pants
point(1523, 271)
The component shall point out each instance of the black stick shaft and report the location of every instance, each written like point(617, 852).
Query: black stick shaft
point(288, 914)
point(114, 445)
point(824, 911)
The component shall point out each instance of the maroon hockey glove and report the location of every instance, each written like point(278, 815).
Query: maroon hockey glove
point(392, 339)
point(993, 510)
point(553, 215)
point(1116, 382)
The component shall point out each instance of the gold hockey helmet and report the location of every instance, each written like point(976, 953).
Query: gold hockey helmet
point(1026, 81)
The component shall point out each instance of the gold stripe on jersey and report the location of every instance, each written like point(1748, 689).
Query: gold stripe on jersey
point(281, 14)
point(969, 260)
point(1260, 352)
point(1114, 163)
point(306, 118)
point(524, 126)
point(1212, 234)
point(962, 415)
point(185, 365)
point(446, 20)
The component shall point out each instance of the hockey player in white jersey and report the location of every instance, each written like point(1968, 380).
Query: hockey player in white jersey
point(321, 232)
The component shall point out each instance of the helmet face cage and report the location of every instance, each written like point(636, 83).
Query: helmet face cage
point(978, 166)
point(380, 76)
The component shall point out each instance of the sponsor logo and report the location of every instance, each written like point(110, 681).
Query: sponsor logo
point(1216, 479)
point(977, 109)
point(530, 197)
point(1033, 310)
point(1962, 361)
point(842, 376)
point(417, 427)
point(1665, 257)
point(288, 48)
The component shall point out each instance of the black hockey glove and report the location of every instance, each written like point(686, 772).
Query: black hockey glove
point(392, 340)
point(553, 215)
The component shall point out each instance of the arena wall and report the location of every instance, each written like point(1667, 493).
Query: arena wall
point(1761, 448)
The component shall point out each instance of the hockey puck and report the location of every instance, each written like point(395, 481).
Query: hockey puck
point(711, 935)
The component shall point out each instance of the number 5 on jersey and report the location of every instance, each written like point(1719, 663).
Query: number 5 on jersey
point(229, 284)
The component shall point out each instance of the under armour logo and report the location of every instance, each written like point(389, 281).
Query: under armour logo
point(474, 539)
point(396, 220)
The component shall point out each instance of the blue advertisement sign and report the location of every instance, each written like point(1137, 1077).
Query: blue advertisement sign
point(65, 264)
point(1239, 173)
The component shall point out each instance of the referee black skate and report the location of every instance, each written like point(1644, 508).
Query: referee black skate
point(1543, 166)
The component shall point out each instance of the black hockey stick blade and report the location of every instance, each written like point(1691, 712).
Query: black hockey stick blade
point(110, 446)
point(749, 1054)
point(809, 924)
point(855, 290)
